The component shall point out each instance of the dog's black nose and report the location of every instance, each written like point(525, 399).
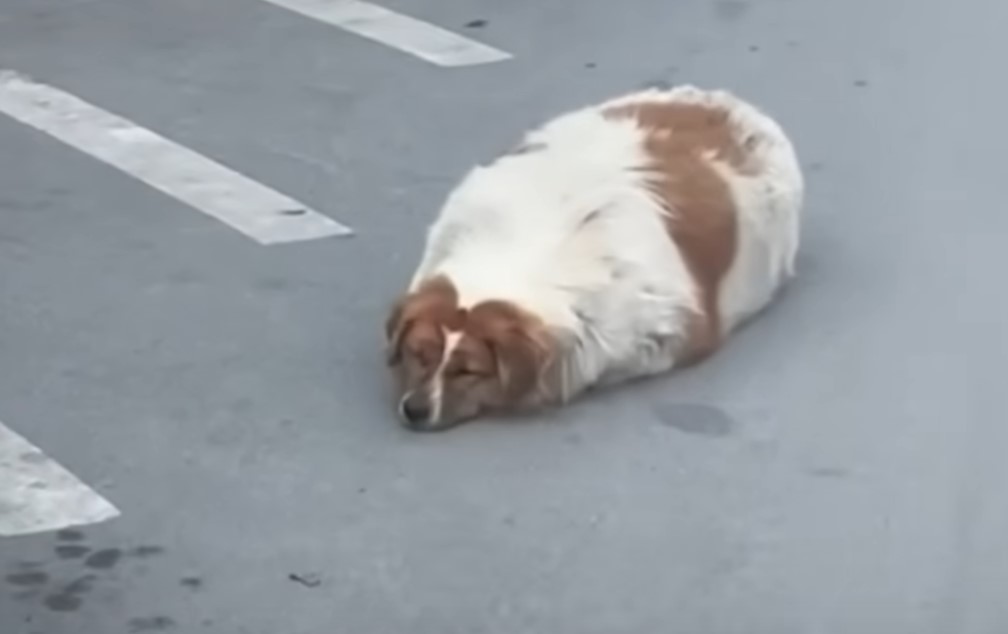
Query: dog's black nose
point(416, 410)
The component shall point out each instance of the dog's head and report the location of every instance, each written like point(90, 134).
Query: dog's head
point(457, 363)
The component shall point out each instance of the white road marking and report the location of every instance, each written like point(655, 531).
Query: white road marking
point(426, 41)
point(37, 494)
point(259, 212)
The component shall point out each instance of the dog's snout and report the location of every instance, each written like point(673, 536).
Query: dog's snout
point(416, 410)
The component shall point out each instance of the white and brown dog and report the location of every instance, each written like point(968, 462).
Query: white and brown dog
point(616, 241)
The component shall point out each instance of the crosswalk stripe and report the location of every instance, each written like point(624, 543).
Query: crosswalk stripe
point(252, 208)
point(426, 41)
point(37, 494)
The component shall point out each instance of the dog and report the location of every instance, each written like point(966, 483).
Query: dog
point(615, 242)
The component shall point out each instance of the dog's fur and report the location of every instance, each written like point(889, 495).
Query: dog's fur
point(616, 241)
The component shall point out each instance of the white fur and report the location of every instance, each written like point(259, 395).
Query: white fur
point(437, 392)
point(568, 231)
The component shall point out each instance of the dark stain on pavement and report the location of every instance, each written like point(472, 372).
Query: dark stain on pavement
point(62, 602)
point(696, 418)
point(31, 582)
point(151, 624)
point(193, 583)
point(144, 552)
point(103, 559)
point(306, 579)
point(657, 84)
point(70, 597)
point(730, 10)
point(70, 535)
point(25, 579)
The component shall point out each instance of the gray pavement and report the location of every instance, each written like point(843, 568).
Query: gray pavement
point(837, 469)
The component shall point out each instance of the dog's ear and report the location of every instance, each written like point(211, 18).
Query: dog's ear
point(517, 341)
point(519, 363)
point(436, 299)
point(395, 330)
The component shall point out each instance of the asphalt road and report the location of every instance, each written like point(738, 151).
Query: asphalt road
point(838, 469)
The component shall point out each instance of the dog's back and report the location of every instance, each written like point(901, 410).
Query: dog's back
point(641, 231)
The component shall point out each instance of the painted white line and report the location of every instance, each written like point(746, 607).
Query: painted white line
point(37, 494)
point(259, 212)
point(426, 41)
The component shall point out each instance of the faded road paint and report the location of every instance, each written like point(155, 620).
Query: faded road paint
point(424, 40)
point(37, 494)
point(259, 212)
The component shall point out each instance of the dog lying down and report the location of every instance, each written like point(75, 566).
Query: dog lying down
point(615, 242)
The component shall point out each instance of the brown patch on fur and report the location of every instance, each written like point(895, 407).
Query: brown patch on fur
point(693, 127)
point(682, 139)
point(517, 342)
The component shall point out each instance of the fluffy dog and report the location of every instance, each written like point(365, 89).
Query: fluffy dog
point(616, 241)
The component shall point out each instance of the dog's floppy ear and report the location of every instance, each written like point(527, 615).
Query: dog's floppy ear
point(435, 299)
point(519, 362)
point(395, 330)
point(518, 345)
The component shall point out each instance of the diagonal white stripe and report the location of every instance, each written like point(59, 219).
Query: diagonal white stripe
point(37, 494)
point(259, 212)
point(426, 41)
